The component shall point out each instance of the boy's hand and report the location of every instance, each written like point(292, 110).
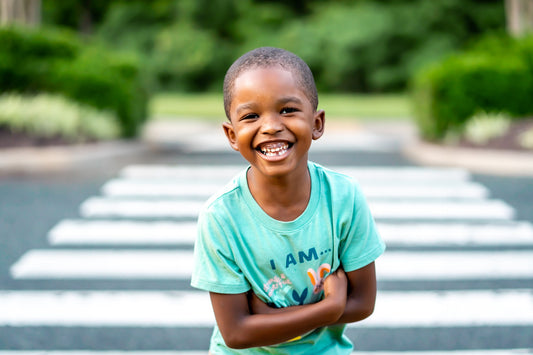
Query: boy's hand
point(336, 289)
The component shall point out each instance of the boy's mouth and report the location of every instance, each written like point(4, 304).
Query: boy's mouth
point(274, 149)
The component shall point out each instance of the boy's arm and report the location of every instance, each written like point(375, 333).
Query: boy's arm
point(359, 302)
point(361, 294)
point(242, 329)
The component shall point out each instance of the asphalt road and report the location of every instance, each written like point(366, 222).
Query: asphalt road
point(31, 205)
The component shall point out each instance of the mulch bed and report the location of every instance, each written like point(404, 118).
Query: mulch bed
point(507, 141)
point(9, 139)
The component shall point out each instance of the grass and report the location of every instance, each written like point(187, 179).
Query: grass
point(208, 106)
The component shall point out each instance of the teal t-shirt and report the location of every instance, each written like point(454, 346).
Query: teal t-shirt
point(240, 248)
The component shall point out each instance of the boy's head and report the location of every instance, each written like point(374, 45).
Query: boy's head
point(266, 57)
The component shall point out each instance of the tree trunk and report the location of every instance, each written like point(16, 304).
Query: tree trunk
point(26, 12)
point(519, 16)
point(86, 18)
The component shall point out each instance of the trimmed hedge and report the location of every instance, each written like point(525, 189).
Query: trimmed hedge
point(496, 78)
point(58, 62)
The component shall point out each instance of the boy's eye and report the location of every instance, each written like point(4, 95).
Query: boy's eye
point(249, 116)
point(286, 110)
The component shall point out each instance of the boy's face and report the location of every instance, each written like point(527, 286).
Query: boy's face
point(272, 121)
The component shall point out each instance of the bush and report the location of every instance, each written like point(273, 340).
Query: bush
point(106, 82)
point(53, 61)
point(27, 57)
point(50, 116)
point(492, 79)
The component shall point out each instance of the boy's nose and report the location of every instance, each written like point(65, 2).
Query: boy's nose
point(271, 124)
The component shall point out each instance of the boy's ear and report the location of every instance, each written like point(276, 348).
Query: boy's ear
point(230, 134)
point(318, 124)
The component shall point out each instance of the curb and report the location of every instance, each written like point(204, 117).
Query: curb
point(194, 135)
point(486, 161)
point(57, 158)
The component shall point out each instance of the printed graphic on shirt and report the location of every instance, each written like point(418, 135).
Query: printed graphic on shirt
point(317, 277)
point(277, 284)
point(293, 259)
point(279, 288)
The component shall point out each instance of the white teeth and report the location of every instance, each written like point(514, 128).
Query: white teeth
point(275, 149)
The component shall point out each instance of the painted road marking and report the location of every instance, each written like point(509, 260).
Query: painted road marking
point(106, 264)
point(440, 265)
point(106, 207)
point(168, 188)
point(177, 264)
point(134, 232)
point(226, 172)
point(402, 209)
point(159, 352)
point(191, 308)
point(193, 172)
point(117, 232)
point(457, 234)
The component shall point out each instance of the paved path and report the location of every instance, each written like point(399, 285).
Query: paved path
point(117, 276)
point(114, 275)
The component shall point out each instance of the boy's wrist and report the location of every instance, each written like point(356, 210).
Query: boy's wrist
point(335, 308)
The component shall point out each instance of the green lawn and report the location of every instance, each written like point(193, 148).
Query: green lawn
point(337, 106)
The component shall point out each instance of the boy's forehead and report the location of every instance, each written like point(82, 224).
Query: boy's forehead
point(275, 75)
point(252, 74)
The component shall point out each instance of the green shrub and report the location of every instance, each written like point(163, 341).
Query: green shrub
point(489, 79)
point(58, 62)
point(26, 57)
point(106, 82)
point(54, 116)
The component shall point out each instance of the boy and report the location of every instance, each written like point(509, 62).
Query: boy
point(267, 242)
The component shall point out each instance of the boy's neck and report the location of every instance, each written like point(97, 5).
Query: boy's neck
point(283, 198)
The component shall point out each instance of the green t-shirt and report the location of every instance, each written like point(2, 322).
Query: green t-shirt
point(240, 248)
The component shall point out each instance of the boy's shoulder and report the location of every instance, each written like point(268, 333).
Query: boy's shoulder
point(338, 184)
point(229, 193)
point(333, 176)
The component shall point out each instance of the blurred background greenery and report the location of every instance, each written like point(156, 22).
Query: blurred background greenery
point(441, 62)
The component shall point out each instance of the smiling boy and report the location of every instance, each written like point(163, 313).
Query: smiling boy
point(287, 249)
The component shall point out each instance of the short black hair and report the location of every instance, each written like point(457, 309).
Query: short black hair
point(265, 57)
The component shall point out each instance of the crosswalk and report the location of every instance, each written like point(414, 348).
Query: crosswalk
point(457, 260)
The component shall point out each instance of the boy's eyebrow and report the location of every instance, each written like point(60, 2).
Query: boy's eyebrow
point(288, 99)
point(281, 101)
point(244, 107)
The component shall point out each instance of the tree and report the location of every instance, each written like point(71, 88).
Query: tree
point(519, 16)
point(27, 12)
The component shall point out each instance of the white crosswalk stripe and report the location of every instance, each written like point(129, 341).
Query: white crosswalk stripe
point(169, 188)
point(131, 232)
point(403, 209)
point(103, 232)
point(161, 309)
point(439, 225)
point(217, 173)
point(110, 352)
point(177, 264)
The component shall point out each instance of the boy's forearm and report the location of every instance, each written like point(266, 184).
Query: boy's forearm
point(355, 311)
point(281, 325)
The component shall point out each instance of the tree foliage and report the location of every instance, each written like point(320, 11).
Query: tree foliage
point(351, 45)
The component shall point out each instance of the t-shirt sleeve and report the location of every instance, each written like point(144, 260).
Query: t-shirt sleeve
point(361, 243)
point(215, 269)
